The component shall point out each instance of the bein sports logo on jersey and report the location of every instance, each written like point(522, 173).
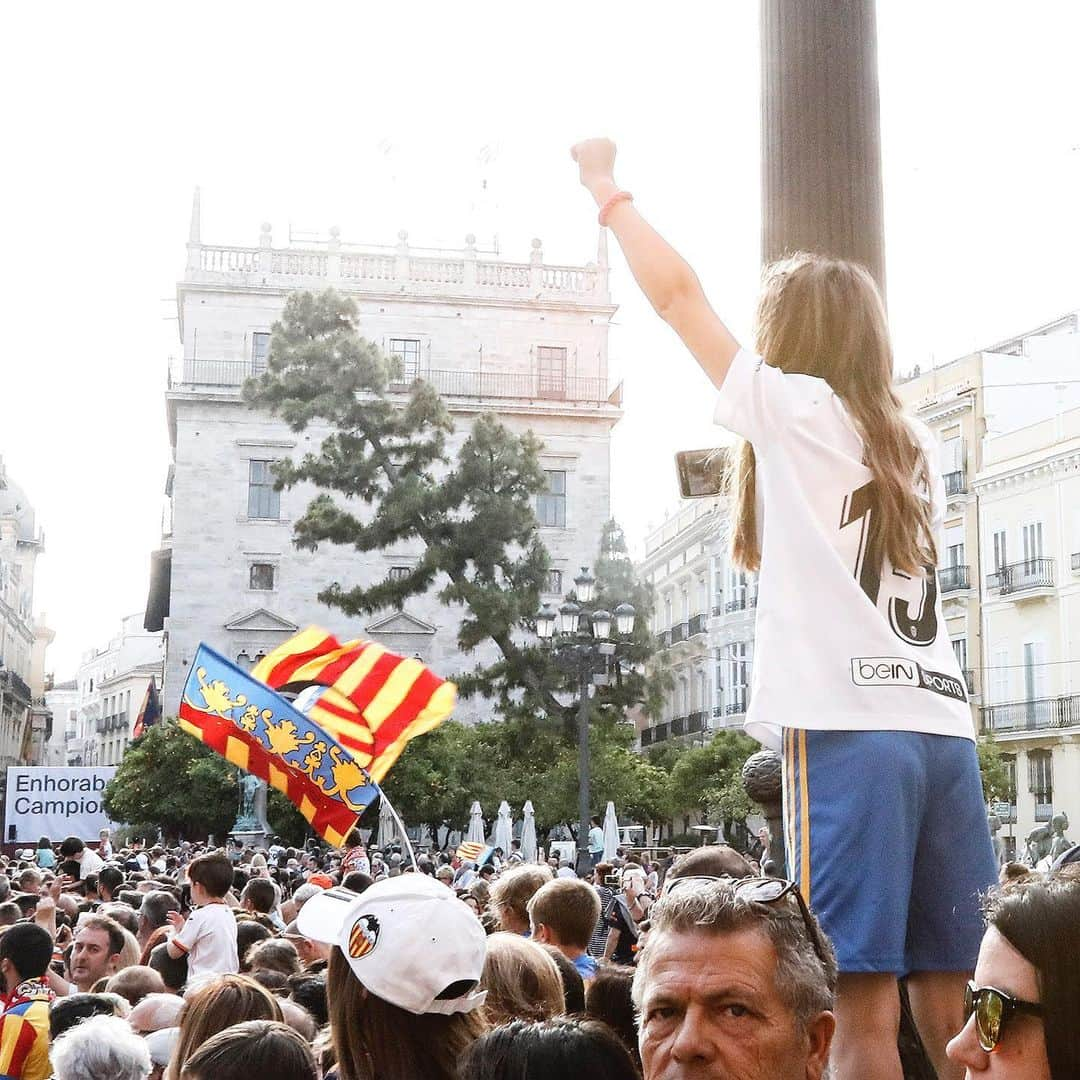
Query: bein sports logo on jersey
point(899, 671)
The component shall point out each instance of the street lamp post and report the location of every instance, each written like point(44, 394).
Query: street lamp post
point(581, 643)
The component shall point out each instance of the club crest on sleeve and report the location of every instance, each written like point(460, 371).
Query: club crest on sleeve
point(364, 936)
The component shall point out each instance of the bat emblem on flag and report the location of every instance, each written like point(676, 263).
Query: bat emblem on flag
point(363, 937)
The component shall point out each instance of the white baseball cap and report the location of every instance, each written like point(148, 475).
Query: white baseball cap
point(408, 940)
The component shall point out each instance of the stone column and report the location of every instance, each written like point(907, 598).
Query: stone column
point(821, 131)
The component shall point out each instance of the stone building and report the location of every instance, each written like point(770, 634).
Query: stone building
point(1008, 421)
point(24, 719)
point(525, 340)
point(110, 685)
point(704, 623)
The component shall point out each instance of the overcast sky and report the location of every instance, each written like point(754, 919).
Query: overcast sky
point(378, 117)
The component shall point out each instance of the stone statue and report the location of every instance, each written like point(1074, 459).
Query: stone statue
point(251, 820)
point(761, 777)
point(995, 827)
point(1058, 844)
point(1038, 843)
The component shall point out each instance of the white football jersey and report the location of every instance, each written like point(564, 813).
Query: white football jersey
point(839, 644)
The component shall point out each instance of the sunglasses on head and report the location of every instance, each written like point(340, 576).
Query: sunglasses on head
point(993, 1009)
point(761, 890)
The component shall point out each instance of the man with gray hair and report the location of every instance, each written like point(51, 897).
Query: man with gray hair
point(154, 912)
point(101, 1046)
point(736, 981)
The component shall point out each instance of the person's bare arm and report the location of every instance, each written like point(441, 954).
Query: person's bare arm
point(666, 279)
point(611, 944)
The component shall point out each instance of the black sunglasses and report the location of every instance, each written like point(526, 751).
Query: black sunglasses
point(762, 890)
point(993, 1009)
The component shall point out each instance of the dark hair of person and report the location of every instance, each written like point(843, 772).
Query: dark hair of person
point(357, 881)
point(112, 877)
point(274, 981)
point(261, 894)
point(608, 999)
point(72, 868)
point(66, 1012)
point(173, 972)
point(572, 983)
point(309, 990)
point(548, 1050)
point(215, 1006)
point(248, 933)
point(10, 913)
point(26, 901)
point(29, 948)
point(213, 872)
point(372, 1038)
point(71, 845)
point(263, 1048)
point(713, 860)
point(44, 842)
point(126, 916)
point(1039, 916)
point(1013, 871)
point(354, 839)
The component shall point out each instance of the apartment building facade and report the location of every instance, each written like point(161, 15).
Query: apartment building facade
point(107, 693)
point(703, 618)
point(524, 340)
point(24, 718)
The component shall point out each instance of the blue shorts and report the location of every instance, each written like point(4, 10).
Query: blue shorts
point(886, 834)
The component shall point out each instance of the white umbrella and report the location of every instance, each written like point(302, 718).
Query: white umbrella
point(528, 833)
point(476, 823)
point(387, 828)
point(611, 833)
point(503, 828)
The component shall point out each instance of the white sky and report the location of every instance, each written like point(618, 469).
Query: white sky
point(380, 117)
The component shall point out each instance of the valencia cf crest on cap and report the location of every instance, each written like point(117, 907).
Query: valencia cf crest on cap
point(363, 937)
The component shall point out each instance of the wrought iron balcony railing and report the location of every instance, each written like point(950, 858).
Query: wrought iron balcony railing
point(954, 578)
point(741, 603)
point(696, 625)
point(956, 482)
point(1037, 714)
point(1022, 577)
point(679, 633)
point(228, 376)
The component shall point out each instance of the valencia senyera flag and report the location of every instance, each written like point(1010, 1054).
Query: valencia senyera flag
point(258, 730)
point(373, 701)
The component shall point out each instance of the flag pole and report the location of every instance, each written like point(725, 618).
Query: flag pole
point(401, 828)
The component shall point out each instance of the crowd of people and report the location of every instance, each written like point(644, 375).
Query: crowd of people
point(189, 963)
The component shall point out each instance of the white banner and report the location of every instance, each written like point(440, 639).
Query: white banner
point(55, 802)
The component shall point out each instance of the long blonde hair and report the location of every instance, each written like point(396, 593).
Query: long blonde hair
point(824, 317)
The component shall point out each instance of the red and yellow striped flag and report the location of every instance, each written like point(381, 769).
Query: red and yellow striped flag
point(375, 701)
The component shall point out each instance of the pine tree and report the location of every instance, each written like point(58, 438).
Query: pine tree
point(472, 515)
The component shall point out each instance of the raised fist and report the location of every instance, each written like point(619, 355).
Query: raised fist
point(596, 160)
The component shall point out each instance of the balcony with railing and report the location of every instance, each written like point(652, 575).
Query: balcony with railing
point(744, 601)
point(954, 578)
point(969, 680)
point(1037, 714)
point(1076, 562)
point(229, 376)
point(1032, 577)
point(663, 639)
point(956, 483)
point(401, 268)
point(697, 625)
point(15, 685)
point(679, 633)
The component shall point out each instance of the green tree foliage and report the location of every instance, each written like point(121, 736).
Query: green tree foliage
point(387, 477)
point(996, 781)
point(438, 776)
point(708, 778)
point(171, 781)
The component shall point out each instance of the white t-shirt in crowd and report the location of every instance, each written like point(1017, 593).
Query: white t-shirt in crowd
point(209, 939)
point(837, 646)
point(90, 863)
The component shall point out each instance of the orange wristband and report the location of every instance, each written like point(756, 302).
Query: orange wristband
point(618, 197)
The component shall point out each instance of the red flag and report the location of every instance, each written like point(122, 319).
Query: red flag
point(375, 701)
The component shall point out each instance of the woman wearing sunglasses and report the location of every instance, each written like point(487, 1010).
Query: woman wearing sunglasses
point(1023, 1006)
